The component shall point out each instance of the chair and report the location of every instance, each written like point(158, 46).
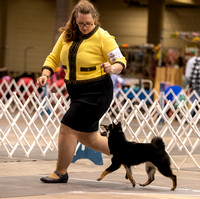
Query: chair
point(60, 83)
point(4, 80)
point(25, 81)
point(176, 90)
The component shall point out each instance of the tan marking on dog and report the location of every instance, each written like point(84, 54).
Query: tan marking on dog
point(129, 174)
point(103, 175)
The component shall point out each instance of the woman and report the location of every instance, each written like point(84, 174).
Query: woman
point(89, 55)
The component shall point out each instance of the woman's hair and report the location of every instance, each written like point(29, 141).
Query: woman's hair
point(71, 30)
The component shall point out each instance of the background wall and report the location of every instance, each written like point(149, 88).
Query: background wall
point(31, 28)
point(127, 24)
point(180, 19)
point(30, 33)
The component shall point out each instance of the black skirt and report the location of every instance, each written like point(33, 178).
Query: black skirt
point(89, 102)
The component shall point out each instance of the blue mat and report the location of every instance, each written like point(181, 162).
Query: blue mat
point(94, 156)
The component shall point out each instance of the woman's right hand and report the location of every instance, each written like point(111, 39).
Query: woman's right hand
point(42, 80)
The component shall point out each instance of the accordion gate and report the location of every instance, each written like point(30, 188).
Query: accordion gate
point(34, 123)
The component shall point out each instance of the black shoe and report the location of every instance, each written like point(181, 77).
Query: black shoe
point(61, 179)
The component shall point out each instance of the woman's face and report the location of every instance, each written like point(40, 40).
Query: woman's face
point(85, 23)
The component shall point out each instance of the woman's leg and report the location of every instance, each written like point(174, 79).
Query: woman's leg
point(67, 141)
point(94, 141)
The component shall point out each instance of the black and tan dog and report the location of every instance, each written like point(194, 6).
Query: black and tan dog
point(131, 153)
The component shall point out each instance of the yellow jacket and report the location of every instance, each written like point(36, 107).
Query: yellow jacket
point(82, 59)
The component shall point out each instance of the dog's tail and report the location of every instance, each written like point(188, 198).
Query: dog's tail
point(158, 143)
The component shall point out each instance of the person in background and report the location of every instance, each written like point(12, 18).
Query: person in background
point(89, 54)
point(58, 74)
point(192, 74)
point(190, 66)
point(118, 82)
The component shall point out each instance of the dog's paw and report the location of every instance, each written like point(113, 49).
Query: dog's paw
point(142, 185)
point(99, 179)
point(173, 189)
point(133, 185)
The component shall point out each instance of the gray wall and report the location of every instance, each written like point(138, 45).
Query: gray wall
point(31, 26)
point(30, 33)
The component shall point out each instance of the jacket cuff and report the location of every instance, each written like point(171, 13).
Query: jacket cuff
point(123, 65)
point(48, 68)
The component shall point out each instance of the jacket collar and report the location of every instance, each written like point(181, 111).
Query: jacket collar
point(90, 33)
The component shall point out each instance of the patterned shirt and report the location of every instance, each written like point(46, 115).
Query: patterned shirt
point(195, 76)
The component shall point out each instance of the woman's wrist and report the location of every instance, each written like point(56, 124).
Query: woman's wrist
point(46, 72)
point(113, 69)
point(47, 76)
point(116, 68)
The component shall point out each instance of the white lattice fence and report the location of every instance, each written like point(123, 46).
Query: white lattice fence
point(30, 118)
point(180, 131)
point(20, 129)
point(135, 95)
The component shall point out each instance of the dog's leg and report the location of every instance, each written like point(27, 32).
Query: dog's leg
point(110, 169)
point(174, 181)
point(129, 174)
point(173, 178)
point(126, 176)
point(150, 169)
point(167, 171)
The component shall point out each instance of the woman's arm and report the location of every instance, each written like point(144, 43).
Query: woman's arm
point(42, 80)
point(115, 68)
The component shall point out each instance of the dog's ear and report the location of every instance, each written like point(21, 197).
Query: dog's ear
point(119, 124)
point(113, 125)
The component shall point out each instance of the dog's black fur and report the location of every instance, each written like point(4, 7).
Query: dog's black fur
point(131, 153)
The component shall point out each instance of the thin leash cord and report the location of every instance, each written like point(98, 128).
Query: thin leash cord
point(103, 82)
point(104, 86)
point(107, 95)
